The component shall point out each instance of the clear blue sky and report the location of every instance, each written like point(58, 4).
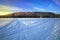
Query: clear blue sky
point(34, 5)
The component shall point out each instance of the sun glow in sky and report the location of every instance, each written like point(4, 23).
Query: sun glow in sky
point(4, 13)
point(4, 10)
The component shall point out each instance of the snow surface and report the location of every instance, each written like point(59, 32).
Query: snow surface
point(31, 29)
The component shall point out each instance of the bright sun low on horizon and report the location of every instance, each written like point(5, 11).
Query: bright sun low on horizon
point(4, 10)
point(4, 13)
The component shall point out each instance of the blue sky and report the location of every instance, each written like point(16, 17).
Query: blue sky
point(32, 5)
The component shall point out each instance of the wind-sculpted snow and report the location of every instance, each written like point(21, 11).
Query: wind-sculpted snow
point(31, 29)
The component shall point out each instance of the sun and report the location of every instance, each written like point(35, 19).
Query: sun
point(4, 13)
point(4, 9)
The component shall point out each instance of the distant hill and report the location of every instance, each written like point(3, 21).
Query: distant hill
point(57, 15)
point(30, 15)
